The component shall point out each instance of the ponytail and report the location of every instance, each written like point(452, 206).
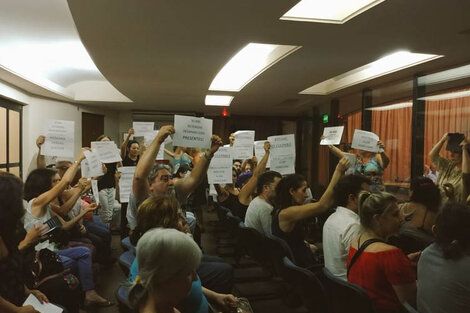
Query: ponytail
point(137, 295)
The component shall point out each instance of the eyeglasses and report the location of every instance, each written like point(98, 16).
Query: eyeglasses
point(165, 178)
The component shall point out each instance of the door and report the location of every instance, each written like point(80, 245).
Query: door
point(92, 127)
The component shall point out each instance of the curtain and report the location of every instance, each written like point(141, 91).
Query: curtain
point(354, 121)
point(394, 129)
point(445, 116)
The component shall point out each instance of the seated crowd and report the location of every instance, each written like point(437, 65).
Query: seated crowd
point(52, 230)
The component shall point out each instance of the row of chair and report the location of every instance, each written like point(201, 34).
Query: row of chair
point(318, 289)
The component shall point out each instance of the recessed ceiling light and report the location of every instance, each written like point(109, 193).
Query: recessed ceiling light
point(247, 64)
point(392, 106)
point(386, 65)
point(218, 100)
point(328, 11)
point(447, 96)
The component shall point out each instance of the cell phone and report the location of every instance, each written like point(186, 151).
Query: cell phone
point(52, 224)
point(244, 306)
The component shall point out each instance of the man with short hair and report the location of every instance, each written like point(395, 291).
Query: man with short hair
point(342, 226)
point(258, 214)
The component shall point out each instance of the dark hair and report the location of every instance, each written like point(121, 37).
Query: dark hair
point(283, 197)
point(11, 210)
point(130, 143)
point(183, 168)
point(266, 179)
point(103, 136)
point(426, 193)
point(372, 203)
point(156, 171)
point(38, 182)
point(453, 230)
point(349, 185)
point(243, 178)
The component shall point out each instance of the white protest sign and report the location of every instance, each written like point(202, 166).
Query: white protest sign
point(282, 154)
point(220, 168)
point(243, 144)
point(192, 132)
point(150, 136)
point(94, 189)
point(364, 140)
point(259, 152)
point(59, 138)
point(125, 182)
point(95, 167)
point(332, 135)
point(85, 168)
point(41, 307)
point(106, 151)
point(141, 128)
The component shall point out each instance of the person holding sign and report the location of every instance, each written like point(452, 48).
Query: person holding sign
point(41, 188)
point(290, 211)
point(238, 200)
point(180, 156)
point(450, 170)
point(107, 191)
point(368, 163)
point(130, 150)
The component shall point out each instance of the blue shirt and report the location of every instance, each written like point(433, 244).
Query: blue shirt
point(195, 301)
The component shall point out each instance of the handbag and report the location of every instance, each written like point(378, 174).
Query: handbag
point(46, 266)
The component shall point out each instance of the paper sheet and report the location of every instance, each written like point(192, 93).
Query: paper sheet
point(332, 135)
point(43, 308)
point(59, 138)
point(192, 132)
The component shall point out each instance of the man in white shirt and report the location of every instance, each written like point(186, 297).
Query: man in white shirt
point(342, 226)
point(258, 215)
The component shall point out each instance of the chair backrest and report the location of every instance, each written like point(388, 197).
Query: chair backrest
point(275, 250)
point(221, 212)
point(254, 244)
point(307, 286)
point(232, 222)
point(345, 296)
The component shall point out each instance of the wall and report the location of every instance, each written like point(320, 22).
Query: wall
point(37, 109)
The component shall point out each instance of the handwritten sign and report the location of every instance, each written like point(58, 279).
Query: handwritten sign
point(125, 182)
point(150, 137)
point(243, 144)
point(95, 167)
point(332, 135)
point(352, 163)
point(106, 151)
point(220, 168)
point(94, 189)
point(59, 138)
point(192, 132)
point(85, 168)
point(259, 152)
point(141, 128)
point(364, 140)
point(282, 154)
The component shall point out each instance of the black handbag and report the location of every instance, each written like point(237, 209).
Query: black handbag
point(46, 265)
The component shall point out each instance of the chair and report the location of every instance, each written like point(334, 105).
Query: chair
point(275, 250)
point(344, 296)
point(125, 261)
point(127, 245)
point(122, 299)
point(307, 286)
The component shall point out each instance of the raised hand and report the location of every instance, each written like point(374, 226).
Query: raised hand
point(343, 165)
point(267, 146)
point(130, 132)
point(40, 141)
point(216, 143)
point(164, 132)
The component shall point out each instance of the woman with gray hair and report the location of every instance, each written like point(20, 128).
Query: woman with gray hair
point(168, 260)
point(383, 270)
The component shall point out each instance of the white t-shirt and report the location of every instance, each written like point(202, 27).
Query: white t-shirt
point(338, 232)
point(30, 220)
point(258, 216)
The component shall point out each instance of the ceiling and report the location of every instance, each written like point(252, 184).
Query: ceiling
point(163, 55)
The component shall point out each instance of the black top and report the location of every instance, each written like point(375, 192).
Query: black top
point(108, 180)
point(295, 239)
point(237, 208)
point(129, 162)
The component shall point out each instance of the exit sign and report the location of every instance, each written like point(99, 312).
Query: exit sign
point(325, 118)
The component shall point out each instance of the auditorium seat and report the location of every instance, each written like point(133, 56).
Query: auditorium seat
point(125, 261)
point(122, 299)
point(127, 245)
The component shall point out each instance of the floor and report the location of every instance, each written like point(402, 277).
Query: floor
point(258, 291)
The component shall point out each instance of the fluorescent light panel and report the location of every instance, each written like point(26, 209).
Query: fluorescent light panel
point(395, 106)
point(218, 100)
point(447, 96)
point(386, 65)
point(247, 64)
point(445, 76)
point(328, 11)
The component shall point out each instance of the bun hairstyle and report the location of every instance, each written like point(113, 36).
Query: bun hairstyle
point(162, 254)
point(453, 230)
point(372, 203)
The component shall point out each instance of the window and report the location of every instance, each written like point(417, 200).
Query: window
point(10, 137)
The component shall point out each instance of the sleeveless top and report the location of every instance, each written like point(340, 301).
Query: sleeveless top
point(295, 240)
point(107, 180)
point(129, 162)
point(237, 208)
